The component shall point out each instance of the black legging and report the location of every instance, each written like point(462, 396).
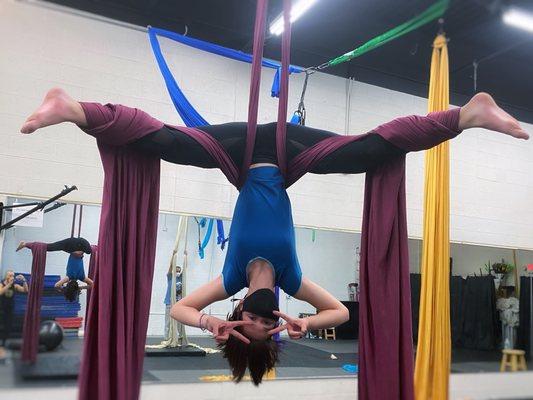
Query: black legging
point(7, 304)
point(356, 157)
point(70, 245)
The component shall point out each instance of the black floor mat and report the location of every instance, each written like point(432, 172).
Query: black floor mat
point(291, 355)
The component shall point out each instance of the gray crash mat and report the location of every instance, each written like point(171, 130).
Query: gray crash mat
point(50, 367)
point(184, 351)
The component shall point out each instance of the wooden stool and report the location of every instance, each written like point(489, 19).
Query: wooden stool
point(330, 334)
point(515, 359)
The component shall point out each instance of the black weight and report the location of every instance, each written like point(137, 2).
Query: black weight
point(50, 335)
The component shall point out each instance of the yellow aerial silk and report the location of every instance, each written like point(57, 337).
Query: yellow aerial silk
point(433, 356)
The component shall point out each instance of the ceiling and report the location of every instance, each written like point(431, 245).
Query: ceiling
point(333, 27)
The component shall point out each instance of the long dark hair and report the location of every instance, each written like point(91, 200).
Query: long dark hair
point(260, 356)
point(71, 290)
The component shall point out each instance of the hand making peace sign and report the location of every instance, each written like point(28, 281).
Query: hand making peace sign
point(222, 329)
point(296, 327)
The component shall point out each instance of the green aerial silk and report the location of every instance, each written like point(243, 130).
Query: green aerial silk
point(435, 11)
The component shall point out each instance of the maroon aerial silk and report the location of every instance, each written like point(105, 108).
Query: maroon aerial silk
point(93, 263)
point(119, 304)
point(32, 318)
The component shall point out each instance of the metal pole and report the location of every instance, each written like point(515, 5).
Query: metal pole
point(39, 206)
point(33, 203)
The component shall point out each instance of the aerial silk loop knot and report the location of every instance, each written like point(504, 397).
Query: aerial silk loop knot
point(440, 41)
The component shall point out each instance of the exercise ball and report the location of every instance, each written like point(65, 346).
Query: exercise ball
point(50, 335)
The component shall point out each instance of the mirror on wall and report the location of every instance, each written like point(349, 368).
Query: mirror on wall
point(488, 293)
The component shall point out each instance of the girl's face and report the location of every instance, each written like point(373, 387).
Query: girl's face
point(260, 327)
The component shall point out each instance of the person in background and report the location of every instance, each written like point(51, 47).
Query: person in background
point(167, 301)
point(76, 247)
point(9, 286)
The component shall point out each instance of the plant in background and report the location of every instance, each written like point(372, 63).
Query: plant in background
point(498, 268)
point(502, 268)
point(488, 268)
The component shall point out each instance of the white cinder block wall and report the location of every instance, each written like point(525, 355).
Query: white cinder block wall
point(41, 48)
point(97, 61)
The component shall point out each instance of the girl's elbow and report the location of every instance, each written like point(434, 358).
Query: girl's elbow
point(345, 314)
point(175, 311)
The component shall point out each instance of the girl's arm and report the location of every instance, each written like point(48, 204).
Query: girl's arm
point(331, 312)
point(24, 287)
point(59, 284)
point(3, 288)
point(89, 283)
point(187, 310)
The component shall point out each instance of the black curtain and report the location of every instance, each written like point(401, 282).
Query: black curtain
point(457, 294)
point(525, 315)
point(415, 303)
point(474, 321)
point(481, 324)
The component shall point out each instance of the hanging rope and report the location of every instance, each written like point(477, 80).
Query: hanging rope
point(80, 219)
point(73, 220)
point(435, 11)
point(177, 336)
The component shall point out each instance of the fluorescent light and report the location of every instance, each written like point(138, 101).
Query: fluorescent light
point(519, 19)
point(276, 28)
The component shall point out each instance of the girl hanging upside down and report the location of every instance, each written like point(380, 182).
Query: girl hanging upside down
point(262, 251)
point(76, 247)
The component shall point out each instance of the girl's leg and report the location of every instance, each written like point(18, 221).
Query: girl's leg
point(483, 112)
point(120, 125)
point(70, 245)
point(415, 133)
point(8, 322)
point(111, 124)
point(57, 107)
point(355, 157)
point(173, 146)
point(3, 332)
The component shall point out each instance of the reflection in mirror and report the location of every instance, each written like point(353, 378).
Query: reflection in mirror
point(66, 232)
point(489, 292)
point(489, 305)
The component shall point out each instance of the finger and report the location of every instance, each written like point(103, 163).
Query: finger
point(295, 335)
point(284, 316)
point(233, 324)
point(278, 329)
point(219, 340)
point(240, 336)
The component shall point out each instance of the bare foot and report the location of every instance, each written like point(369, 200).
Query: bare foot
point(57, 107)
point(21, 246)
point(483, 112)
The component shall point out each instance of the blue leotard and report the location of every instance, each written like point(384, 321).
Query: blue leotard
point(75, 268)
point(262, 227)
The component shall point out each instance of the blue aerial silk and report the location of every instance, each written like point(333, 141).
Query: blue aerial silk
point(221, 238)
point(212, 48)
point(207, 236)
